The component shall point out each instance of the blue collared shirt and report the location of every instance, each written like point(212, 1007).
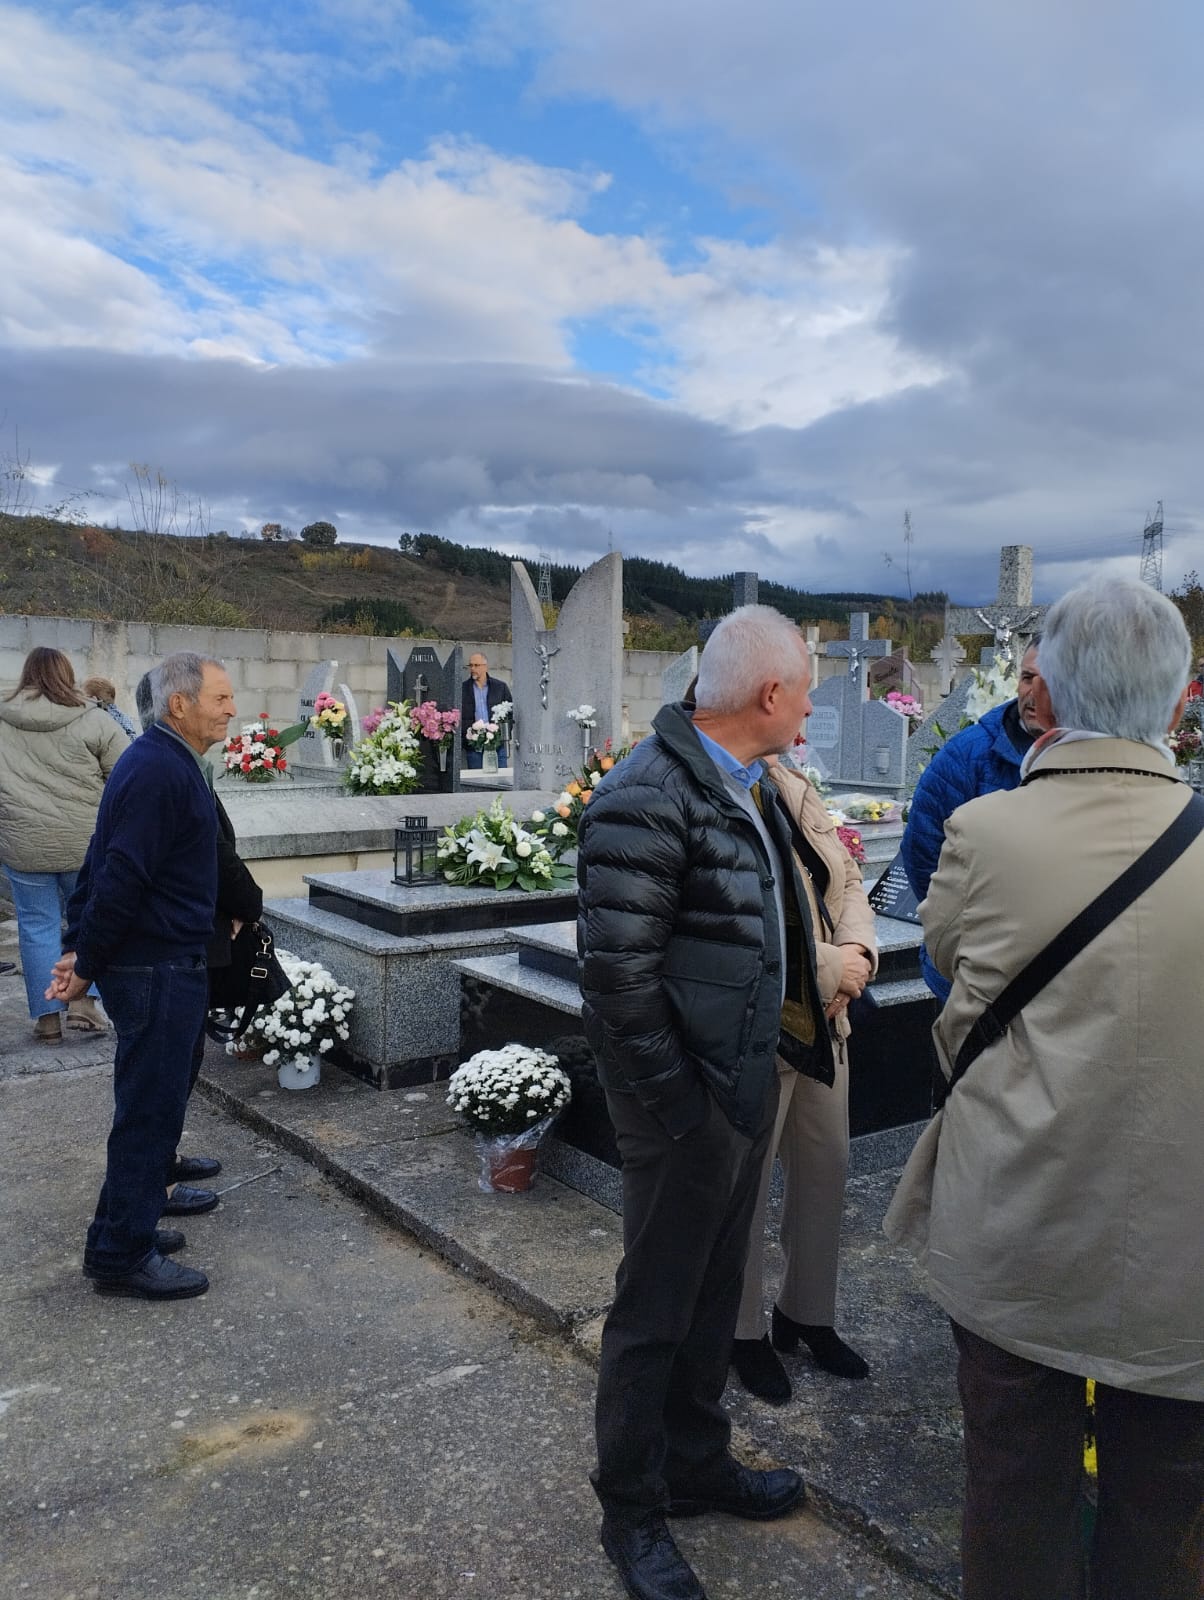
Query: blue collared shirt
point(726, 762)
point(480, 693)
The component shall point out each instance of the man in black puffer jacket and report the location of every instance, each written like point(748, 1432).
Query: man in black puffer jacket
point(695, 963)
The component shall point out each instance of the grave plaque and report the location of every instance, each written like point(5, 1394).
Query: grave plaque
point(892, 895)
point(823, 728)
point(422, 674)
point(314, 750)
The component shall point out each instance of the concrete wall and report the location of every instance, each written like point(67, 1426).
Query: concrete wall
point(268, 667)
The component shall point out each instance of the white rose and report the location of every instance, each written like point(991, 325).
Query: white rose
point(559, 831)
point(523, 849)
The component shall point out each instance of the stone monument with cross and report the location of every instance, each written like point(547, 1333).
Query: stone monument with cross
point(557, 670)
point(949, 654)
point(423, 674)
point(1012, 617)
point(860, 741)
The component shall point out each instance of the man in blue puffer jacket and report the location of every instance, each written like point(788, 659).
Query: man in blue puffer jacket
point(980, 759)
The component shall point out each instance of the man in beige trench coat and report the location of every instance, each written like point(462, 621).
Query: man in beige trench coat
point(1061, 1217)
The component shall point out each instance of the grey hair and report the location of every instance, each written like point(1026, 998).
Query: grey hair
point(182, 673)
point(750, 646)
point(1115, 657)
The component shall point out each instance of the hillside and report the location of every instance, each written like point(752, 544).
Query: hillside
point(432, 587)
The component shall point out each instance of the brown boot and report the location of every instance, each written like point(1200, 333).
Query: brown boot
point(48, 1029)
point(84, 1016)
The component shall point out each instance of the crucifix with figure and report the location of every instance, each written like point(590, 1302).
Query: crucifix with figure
point(1012, 618)
point(859, 648)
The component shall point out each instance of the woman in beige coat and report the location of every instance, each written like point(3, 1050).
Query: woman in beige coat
point(56, 750)
point(1057, 1200)
point(811, 1137)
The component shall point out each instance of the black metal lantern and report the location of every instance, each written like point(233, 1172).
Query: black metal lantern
point(415, 852)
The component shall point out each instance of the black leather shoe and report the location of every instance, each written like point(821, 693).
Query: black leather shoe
point(186, 1202)
point(825, 1344)
point(760, 1371)
point(185, 1168)
point(169, 1240)
point(647, 1559)
point(742, 1492)
point(154, 1278)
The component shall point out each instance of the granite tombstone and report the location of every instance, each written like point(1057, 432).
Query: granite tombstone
point(423, 674)
point(860, 741)
point(556, 670)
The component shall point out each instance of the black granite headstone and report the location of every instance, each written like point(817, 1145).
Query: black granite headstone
point(421, 675)
point(892, 895)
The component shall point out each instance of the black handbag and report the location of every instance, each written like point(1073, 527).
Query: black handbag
point(254, 979)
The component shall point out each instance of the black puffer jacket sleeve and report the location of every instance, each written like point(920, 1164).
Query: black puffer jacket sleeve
point(632, 869)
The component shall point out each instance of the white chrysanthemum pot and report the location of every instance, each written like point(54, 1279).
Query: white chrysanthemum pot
point(299, 1072)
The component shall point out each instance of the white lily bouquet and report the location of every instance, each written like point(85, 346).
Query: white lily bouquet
point(509, 1098)
point(389, 760)
point(493, 849)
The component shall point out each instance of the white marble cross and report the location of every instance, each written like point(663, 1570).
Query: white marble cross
point(1012, 614)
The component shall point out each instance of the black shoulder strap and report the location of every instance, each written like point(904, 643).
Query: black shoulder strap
point(1077, 935)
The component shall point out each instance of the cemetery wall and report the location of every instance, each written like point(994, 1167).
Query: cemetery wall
point(268, 667)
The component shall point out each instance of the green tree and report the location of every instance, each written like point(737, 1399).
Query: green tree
point(319, 533)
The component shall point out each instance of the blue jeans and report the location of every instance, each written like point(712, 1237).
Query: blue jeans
point(157, 1013)
point(40, 899)
point(475, 759)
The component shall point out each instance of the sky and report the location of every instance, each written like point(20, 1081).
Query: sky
point(730, 286)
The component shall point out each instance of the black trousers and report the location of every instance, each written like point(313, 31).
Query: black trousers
point(687, 1210)
point(1022, 1529)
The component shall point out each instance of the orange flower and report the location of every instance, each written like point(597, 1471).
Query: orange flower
point(606, 763)
point(572, 788)
point(564, 811)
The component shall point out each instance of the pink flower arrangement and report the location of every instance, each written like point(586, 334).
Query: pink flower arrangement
point(370, 723)
point(851, 839)
point(906, 705)
point(431, 723)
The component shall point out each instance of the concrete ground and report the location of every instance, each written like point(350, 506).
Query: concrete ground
point(388, 1389)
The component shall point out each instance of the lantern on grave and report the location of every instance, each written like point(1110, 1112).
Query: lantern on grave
point(415, 852)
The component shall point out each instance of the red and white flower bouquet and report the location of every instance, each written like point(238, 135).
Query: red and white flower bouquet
point(257, 753)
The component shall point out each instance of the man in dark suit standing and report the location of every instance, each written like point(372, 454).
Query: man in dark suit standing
point(477, 699)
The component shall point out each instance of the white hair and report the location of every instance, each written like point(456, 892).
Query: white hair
point(182, 673)
point(751, 646)
point(1115, 657)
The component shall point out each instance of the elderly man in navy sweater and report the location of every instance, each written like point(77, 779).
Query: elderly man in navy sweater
point(138, 925)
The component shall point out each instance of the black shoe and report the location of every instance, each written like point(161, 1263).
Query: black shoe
point(7, 967)
point(185, 1168)
point(760, 1371)
point(742, 1492)
point(154, 1278)
point(825, 1344)
point(647, 1559)
point(169, 1240)
point(186, 1202)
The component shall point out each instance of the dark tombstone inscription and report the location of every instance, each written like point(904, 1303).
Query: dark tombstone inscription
point(892, 895)
point(418, 676)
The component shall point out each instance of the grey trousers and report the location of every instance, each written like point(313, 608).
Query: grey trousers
point(811, 1138)
point(667, 1339)
point(1022, 1527)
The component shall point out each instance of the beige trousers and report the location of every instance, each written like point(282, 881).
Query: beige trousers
point(811, 1137)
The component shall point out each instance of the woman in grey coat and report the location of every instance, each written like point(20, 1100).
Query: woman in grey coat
point(56, 750)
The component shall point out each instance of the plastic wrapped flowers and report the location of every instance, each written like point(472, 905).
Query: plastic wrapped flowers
point(509, 1098)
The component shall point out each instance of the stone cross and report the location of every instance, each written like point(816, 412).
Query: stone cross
point(859, 648)
point(1012, 615)
point(948, 655)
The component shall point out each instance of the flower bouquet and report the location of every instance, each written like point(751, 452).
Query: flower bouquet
point(387, 761)
point(330, 717)
point(483, 736)
point(257, 753)
point(558, 826)
point(851, 839)
point(296, 1031)
point(509, 1098)
point(436, 729)
point(906, 705)
point(492, 849)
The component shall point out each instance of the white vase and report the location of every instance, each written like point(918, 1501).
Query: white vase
point(299, 1072)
